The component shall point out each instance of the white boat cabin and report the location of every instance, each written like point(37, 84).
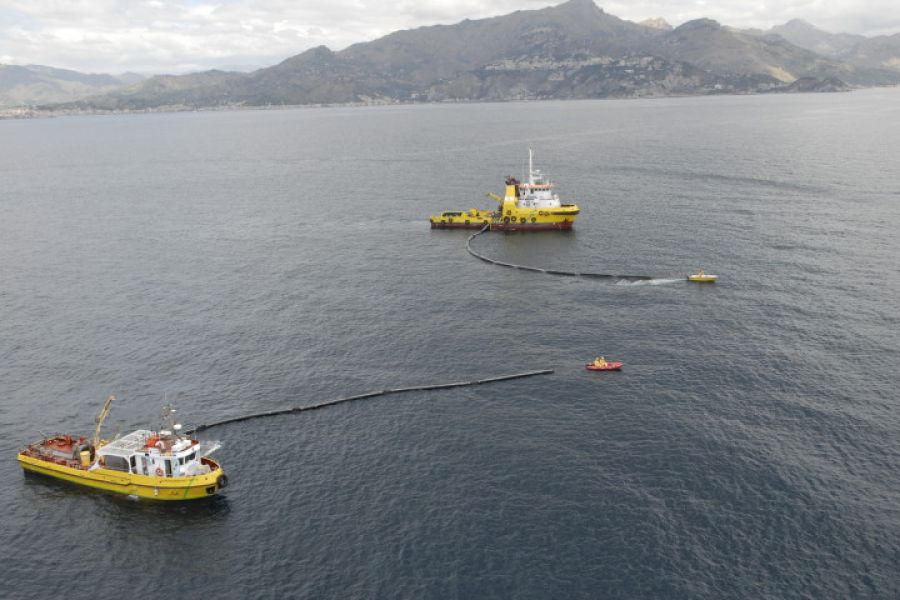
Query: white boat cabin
point(538, 191)
point(155, 454)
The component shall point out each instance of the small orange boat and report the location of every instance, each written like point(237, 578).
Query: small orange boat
point(601, 364)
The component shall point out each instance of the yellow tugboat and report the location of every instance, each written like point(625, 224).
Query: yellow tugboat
point(531, 206)
point(159, 465)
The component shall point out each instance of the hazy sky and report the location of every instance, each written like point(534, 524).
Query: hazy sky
point(174, 36)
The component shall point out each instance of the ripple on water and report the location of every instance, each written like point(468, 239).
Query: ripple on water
point(748, 449)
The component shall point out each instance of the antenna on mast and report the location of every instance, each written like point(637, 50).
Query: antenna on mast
point(168, 414)
point(530, 167)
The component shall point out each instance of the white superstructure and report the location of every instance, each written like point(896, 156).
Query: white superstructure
point(538, 191)
point(159, 454)
point(162, 453)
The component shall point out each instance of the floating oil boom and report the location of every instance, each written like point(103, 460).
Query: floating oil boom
point(369, 395)
point(587, 274)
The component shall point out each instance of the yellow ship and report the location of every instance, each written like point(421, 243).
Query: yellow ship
point(158, 465)
point(531, 206)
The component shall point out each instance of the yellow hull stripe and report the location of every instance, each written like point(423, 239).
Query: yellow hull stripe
point(142, 486)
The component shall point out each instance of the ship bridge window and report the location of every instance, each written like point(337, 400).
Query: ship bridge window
point(168, 468)
point(116, 463)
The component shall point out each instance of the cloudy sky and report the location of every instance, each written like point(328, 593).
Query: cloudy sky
point(176, 36)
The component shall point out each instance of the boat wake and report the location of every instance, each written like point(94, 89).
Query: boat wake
point(658, 281)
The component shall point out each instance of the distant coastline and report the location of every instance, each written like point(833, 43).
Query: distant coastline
point(21, 113)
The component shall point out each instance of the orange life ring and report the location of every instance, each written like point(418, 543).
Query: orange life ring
point(159, 472)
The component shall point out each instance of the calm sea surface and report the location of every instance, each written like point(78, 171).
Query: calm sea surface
point(235, 262)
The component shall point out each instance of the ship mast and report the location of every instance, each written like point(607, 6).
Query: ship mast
point(99, 420)
point(169, 415)
point(530, 168)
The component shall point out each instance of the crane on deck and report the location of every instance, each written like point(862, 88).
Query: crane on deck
point(99, 420)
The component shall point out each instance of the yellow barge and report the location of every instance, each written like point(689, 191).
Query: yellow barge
point(157, 465)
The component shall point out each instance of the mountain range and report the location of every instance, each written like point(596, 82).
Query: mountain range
point(36, 84)
point(877, 53)
point(572, 50)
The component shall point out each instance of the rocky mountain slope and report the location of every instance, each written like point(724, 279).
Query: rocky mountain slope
point(875, 57)
point(573, 50)
point(36, 84)
point(803, 34)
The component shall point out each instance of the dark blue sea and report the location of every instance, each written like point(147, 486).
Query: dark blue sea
point(237, 262)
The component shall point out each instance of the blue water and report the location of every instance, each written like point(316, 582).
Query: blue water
point(233, 262)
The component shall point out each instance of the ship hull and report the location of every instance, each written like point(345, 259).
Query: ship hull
point(610, 366)
point(129, 484)
point(529, 223)
point(553, 226)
